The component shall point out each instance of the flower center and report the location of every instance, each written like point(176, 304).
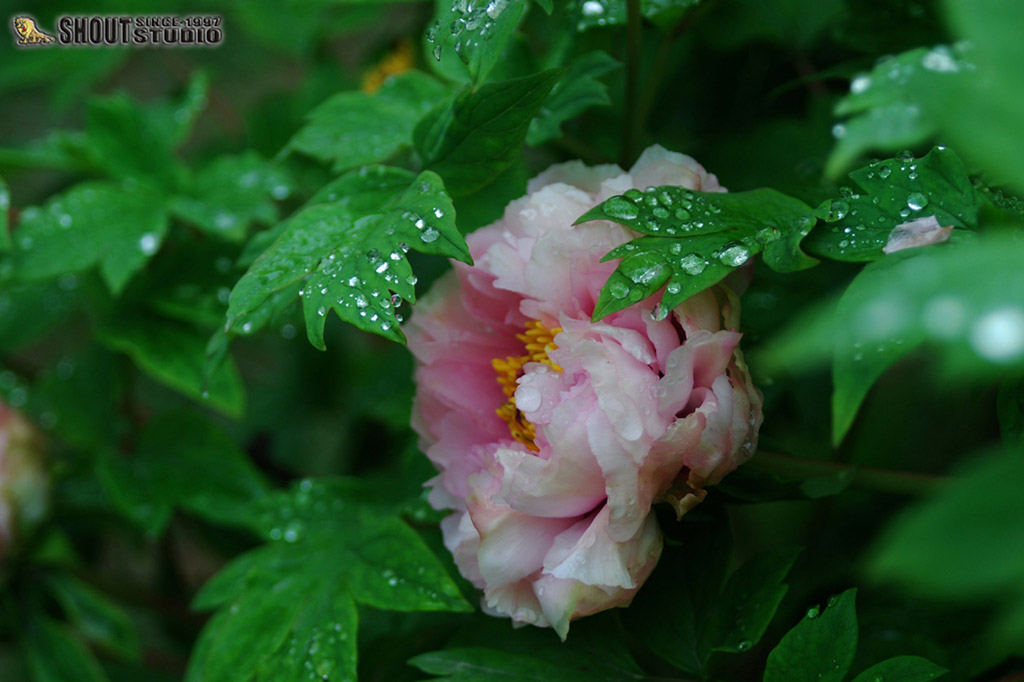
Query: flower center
point(538, 341)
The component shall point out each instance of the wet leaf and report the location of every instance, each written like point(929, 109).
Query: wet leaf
point(820, 648)
point(350, 252)
point(696, 239)
point(894, 191)
point(289, 606)
point(96, 223)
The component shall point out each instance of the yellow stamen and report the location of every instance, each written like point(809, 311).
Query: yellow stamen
point(538, 341)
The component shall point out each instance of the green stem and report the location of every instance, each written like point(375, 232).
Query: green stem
point(879, 480)
point(632, 124)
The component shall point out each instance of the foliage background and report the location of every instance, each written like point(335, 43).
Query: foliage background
point(181, 450)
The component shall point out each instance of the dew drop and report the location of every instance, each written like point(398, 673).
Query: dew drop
point(620, 208)
point(916, 201)
point(860, 84)
point(735, 255)
point(618, 289)
point(430, 235)
point(693, 263)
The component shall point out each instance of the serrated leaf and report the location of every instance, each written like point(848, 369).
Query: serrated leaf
point(289, 606)
point(477, 32)
point(55, 656)
point(182, 460)
point(352, 251)
point(885, 105)
point(902, 669)
point(292, 250)
point(233, 192)
point(573, 95)
point(361, 280)
point(175, 355)
point(97, 618)
point(895, 191)
point(696, 239)
point(91, 224)
point(471, 139)
point(749, 601)
point(126, 142)
point(356, 128)
point(820, 648)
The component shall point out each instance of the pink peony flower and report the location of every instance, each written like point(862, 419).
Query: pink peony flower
point(554, 435)
point(23, 483)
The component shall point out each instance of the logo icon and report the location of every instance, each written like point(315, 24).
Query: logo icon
point(27, 33)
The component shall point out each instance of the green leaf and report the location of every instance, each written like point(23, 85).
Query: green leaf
point(487, 649)
point(976, 110)
point(89, 424)
point(895, 191)
point(663, 13)
point(55, 656)
point(676, 606)
point(175, 355)
point(352, 252)
point(182, 460)
point(28, 311)
point(820, 648)
point(749, 601)
point(478, 33)
point(233, 192)
point(366, 279)
point(176, 119)
point(573, 95)
point(471, 139)
point(357, 128)
point(902, 669)
point(298, 244)
point(5, 228)
point(289, 607)
point(1010, 407)
point(885, 106)
point(127, 143)
point(96, 223)
point(971, 528)
point(932, 294)
point(696, 239)
point(478, 664)
point(97, 618)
